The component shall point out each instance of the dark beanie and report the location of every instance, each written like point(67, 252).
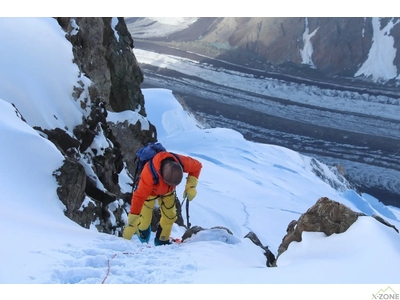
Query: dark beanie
point(172, 173)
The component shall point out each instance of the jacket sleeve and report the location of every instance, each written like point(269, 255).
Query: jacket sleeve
point(190, 165)
point(145, 187)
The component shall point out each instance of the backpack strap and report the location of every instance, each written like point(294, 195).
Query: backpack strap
point(179, 160)
point(153, 172)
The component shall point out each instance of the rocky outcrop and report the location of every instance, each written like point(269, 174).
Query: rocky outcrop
point(71, 191)
point(84, 167)
point(268, 254)
point(327, 216)
point(103, 52)
point(324, 216)
point(338, 181)
point(88, 181)
point(131, 137)
point(190, 231)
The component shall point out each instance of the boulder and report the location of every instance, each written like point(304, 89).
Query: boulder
point(327, 216)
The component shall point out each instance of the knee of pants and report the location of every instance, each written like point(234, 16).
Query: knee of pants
point(168, 210)
point(146, 215)
point(165, 219)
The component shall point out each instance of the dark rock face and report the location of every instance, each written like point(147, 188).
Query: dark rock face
point(340, 45)
point(105, 56)
point(131, 138)
point(105, 167)
point(268, 254)
point(88, 181)
point(72, 184)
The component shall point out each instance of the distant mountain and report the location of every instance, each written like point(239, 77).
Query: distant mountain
point(348, 47)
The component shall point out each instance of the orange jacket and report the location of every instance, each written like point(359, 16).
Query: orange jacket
point(146, 186)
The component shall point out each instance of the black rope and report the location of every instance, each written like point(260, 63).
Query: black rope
point(167, 208)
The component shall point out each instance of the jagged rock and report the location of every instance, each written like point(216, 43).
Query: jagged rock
point(63, 141)
point(18, 113)
point(196, 229)
point(108, 61)
point(102, 51)
point(268, 254)
point(117, 210)
point(131, 138)
point(71, 178)
point(106, 165)
point(191, 231)
point(384, 222)
point(338, 182)
point(103, 196)
point(327, 216)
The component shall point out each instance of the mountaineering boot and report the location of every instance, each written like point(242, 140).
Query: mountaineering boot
point(160, 239)
point(144, 235)
point(158, 242)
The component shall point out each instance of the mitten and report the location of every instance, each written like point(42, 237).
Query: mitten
point(131, 228)
point(190, 188)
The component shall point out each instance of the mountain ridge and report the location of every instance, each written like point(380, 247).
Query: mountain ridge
point(331, 46)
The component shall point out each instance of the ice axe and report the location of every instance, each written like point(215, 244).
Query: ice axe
point(187, 212)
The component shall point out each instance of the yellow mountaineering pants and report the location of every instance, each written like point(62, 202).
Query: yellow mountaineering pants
point(168, 214)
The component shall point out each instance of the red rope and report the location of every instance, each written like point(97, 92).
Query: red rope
point(178, 241)
point(126, 253)
point(108, 271)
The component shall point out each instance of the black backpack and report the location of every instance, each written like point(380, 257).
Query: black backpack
point(144, 155)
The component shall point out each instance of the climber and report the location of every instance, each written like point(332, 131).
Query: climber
point(169, 168)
